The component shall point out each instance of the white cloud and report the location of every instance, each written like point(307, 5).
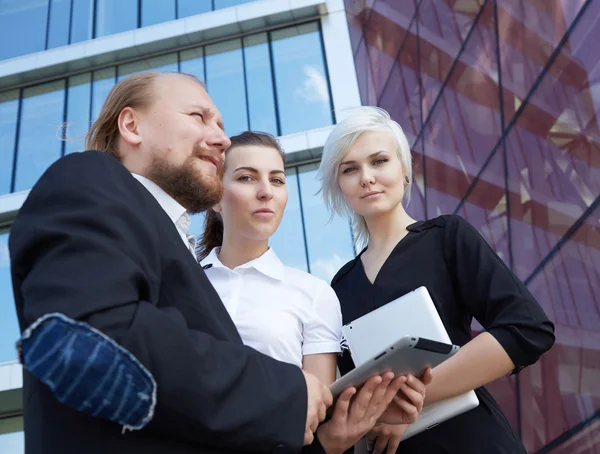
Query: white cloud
point(314, 89)
point(325, 268)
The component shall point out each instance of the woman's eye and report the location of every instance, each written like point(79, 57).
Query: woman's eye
point(348, 170)
point(278, 181)
point(244, 178)
point(381, 160)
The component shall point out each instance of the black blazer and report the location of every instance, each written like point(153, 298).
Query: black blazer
point(92, 243)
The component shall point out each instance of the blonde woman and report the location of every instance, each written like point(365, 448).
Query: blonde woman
point(366, 174)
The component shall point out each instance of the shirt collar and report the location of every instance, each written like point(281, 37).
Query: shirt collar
point(173, 209)
point(267, 264)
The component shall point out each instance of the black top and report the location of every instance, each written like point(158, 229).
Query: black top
point(92, 243)
point(466, 280)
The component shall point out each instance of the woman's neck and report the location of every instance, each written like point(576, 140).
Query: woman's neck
point(237, 250)
point(387, 229)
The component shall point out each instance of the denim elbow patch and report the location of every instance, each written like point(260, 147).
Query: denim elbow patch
point(88, 371)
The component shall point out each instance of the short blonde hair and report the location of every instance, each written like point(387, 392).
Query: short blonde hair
point(341, 139)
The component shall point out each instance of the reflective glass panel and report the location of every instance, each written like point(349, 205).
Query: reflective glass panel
point(261, 104)
point(78, 112)
point(300, 78)
point(163, 63)
point(9, 327)
point(60, 16)
point(82, 23)
point(187, 8)
point(103, 81)
point(115, 16)
point(288, 240)
point(9, 107)
point(40, 132)
point(329, 242)
point(157, 11)
point(23, 25)
point(192, 62)
point(225, 82)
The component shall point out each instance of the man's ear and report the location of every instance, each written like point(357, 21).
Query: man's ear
point(128, 123)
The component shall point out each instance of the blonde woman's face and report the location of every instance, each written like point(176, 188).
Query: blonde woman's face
point(371, 175)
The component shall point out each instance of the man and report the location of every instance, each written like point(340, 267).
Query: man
point(102, 239)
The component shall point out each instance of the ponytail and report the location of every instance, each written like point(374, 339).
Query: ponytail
point(212, 236)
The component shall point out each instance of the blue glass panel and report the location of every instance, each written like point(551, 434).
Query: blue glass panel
point(39, 135)
point(115, 16)
point(23, 25)
point(157, 11)
point(9, 328)
point(302, 86)
point(82, 22)
point(197, 225)
point(163, 63)
point(78, 112)
point(227, 3)
point(9, 108)
point(192, 62)
point(225, 81)
point(261, 103)
point(187, 8)
point(60, 16)
point(288, 241)
point(329, 242)
point(104, 80)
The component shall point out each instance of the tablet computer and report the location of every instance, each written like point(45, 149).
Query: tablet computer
point(408, 355)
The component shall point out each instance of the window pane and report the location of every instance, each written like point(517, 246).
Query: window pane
point(78, 112)
point(329, 243)
point(187, 8)
point(157, 11)
point(60, 14)
point(115, 16)
point(41, 121)
point(260, 84)
point(9, 328)
point(226, 3)
point(302, 87)
point(82, 23)
point(9, 107)
point(288, 241)
point(23, 25)
point(225, 81)
point(103, 83)
point(163, 63)
point(192, 62)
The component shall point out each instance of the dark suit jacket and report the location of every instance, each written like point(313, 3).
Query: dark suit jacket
point(92, 243)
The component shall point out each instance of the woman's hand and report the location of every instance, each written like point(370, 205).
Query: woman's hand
point(407, 405)
point(353, 418)
point(385, 436)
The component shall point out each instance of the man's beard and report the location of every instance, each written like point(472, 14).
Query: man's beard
point(192, 190)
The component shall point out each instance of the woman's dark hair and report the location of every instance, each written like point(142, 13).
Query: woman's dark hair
point(213, 224)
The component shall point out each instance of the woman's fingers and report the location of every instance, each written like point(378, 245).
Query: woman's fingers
point(360, 404)
point(415, 398)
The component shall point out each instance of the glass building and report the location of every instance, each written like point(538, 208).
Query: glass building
point(499, 99)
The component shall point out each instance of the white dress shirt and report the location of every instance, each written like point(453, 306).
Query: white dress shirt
point(280, 311)
point(174, 210)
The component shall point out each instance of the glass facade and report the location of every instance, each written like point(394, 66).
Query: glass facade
point(500, 101)
point(37, 25)
point(272, 81)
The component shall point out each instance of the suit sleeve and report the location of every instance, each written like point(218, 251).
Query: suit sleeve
point(495, 296)
point(78, 248)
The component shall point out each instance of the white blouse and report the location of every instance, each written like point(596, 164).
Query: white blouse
point(280, 311)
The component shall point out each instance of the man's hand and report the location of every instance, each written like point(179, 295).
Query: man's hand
point(319, 399)
point(355, 415)
point(385, 436)
point(407, 405)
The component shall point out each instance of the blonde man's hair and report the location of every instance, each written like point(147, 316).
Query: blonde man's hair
point(341, 139)
point(136, 91)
